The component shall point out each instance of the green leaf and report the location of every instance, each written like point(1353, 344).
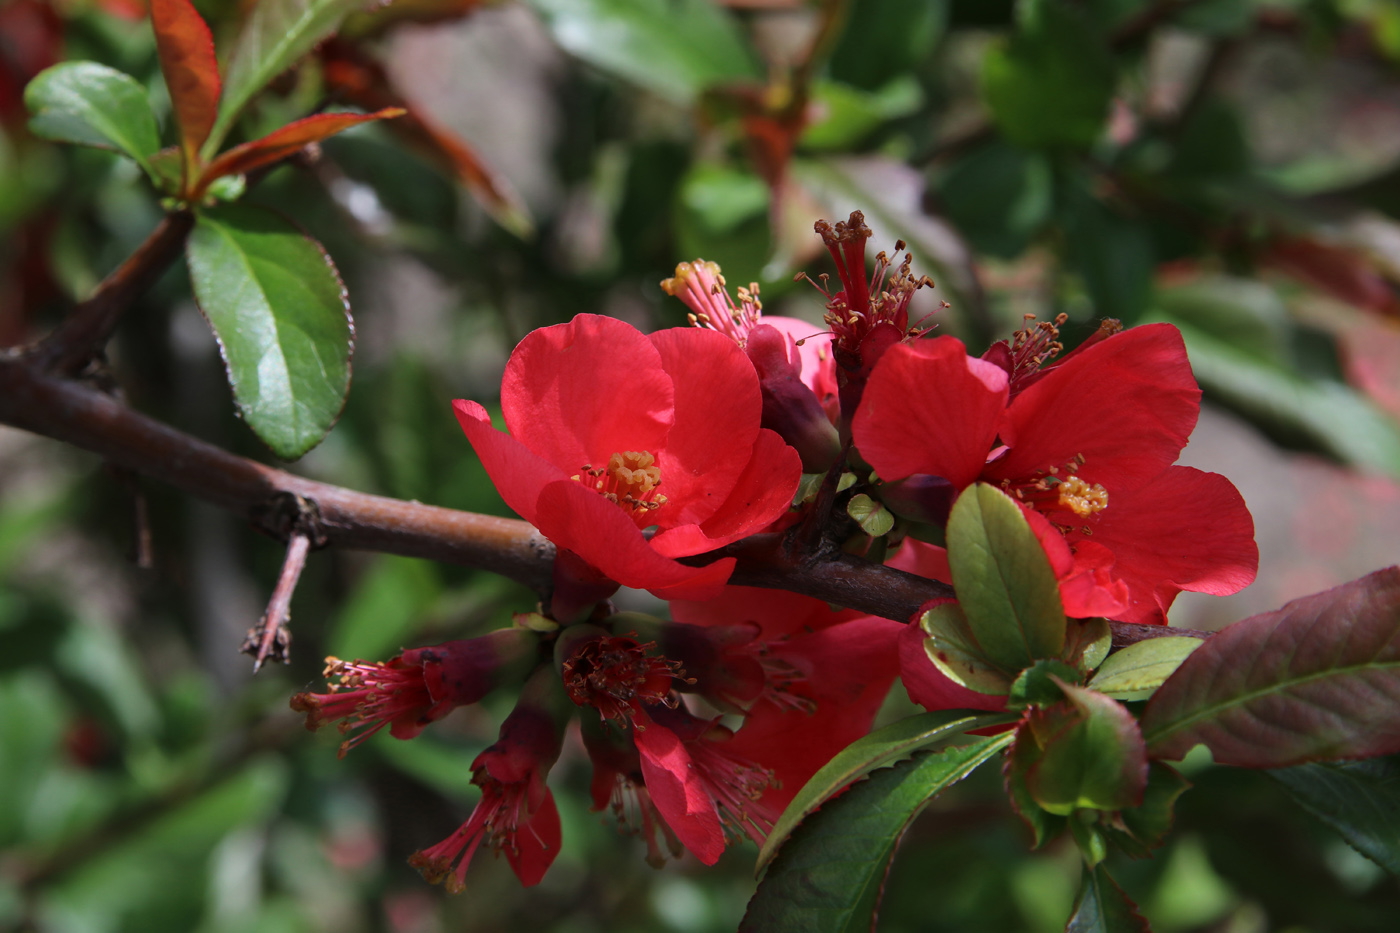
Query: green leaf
point(1145, 826)
point(385, 608)
point(999, 196)
point(1051, 84)
point(1083, 753)
point(276, 35)
point(1137, 670)
point(951, 647)
point(828, 877)
point(278, 307)
point(1112, 253)
point(1359, 799)
point(1087, 643)
point(1317, 679)
point(876, 750)
point(1003, 579)
point(674, 48)
point(846, 115)
point(872, 517)
point(1102, 907)
point(93, 105)
point(1039, 684)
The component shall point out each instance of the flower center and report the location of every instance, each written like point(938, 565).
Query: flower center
point(613, 674)
point(630, 479)
point(1058, 490)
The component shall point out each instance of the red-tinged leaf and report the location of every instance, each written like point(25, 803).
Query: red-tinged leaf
point(186, 49)
point(1317, 679)
point(1344, 274)
point(281, 143)
point(357, 79)
point(1085, 752)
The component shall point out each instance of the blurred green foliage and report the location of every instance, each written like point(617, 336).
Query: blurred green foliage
point(1100, 158)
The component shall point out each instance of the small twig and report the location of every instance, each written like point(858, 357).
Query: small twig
point(272, 630)
point(142, 553)
point(83, 335)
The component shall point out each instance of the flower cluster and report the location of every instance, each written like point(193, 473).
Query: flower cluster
point(643, 457)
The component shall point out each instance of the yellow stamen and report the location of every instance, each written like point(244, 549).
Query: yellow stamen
point(1082, 498)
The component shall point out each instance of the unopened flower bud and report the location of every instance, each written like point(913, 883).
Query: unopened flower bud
point(789, 407)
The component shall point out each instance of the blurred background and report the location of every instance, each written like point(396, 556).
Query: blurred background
point(1231, 166)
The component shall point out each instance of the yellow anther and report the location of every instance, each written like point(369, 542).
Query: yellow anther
point(1082, 498)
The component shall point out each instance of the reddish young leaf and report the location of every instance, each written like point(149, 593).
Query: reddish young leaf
point(283, 142)
point(1317, 679)
point(359, 80)
point(186, 49)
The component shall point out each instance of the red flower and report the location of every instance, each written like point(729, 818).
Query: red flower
point(613, 432)
point(702, 789)
point(1089, 444)
point(516, 813)
point(615, 674)
point(420, 686)
point(825, 676)
point(618, 785)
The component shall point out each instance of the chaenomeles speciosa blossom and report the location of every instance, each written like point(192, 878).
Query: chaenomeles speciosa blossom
point(629, 451)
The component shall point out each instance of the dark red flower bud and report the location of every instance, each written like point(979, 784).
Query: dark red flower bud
point(789, 407)
point(420, 686)
point(516, 814)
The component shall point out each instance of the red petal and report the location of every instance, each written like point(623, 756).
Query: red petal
point(1127, 405)
point(1186, 530)
point(717, 412)
point(776, 612)
point(281, 143)
point(930, 408)
point(849, 670)
point(602, 534)
point(676, 790)
point(929, 688)
point(536, 843)
point(517, 473)
point(814, 349)
point(761, 495)
point(926, 560)
point(577, 393)
point(186, 50)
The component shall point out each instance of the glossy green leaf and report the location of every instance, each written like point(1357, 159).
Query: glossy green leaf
point(674, 48)
point(276, 35)
point(872, 517)
point(1317, 679)
point(951, 647)
point(1039, 684)
point(1359, 799)
point(1084, 753)
point(1102, 907)
point(93, 105)
point(1051, 84)
point(278, 307)
point(1145, 826)
point(828, 877)
point(876, 750)
point(1137, 670)
point(1003, 580)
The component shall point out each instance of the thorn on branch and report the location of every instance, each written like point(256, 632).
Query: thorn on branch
point(272, 637)
point(297, 519)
